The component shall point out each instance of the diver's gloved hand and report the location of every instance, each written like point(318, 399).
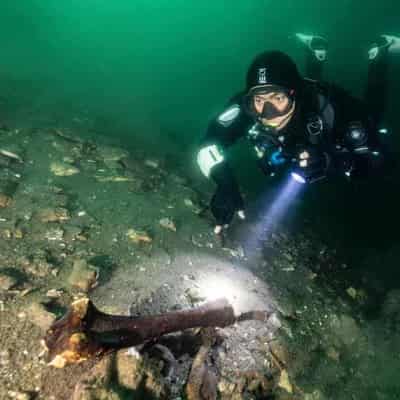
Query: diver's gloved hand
point(226, 201)
point(312, 163)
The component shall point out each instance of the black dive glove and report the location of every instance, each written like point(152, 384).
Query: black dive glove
point(226, 201)
point(311, 164)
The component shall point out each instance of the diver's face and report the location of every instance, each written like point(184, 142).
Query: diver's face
point(280, 101)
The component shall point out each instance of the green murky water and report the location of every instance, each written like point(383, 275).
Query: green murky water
point(151, 74)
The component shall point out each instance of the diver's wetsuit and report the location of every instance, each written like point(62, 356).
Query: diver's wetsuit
point(324, 115)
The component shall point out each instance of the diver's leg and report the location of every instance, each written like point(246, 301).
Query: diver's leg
point(377, 85)
point(316, 54)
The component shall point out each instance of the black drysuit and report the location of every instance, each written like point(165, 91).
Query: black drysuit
point(339, 131)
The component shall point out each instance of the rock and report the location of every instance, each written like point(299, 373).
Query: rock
point(19, 395)
point(134, 372)
point(72, 233)
point(18, 234)
point(155, 385)
point(83, 276)
point(40, 316)
point(54, 293)
point(68, 160)
point(209, 386)
point(113, 178)
point(96, 384)
point(38, 267)
point(27, 290)
point(168, 223)
point(194, 207)
point(88, 392)
point(259, 385)
point(11, 155)
point(312, 276)
point(284, 382)
point(226, 388)
point(24, 396)
point(63, 169)
point(4, 358)
point(236, 253)
point(345, 329)
point(202, 382)
point(362, 296)
point(193, 296)
point(5, 200)
point(130, 370)
point(11, 233)
point(333, 354)
point(152, 163)
point(351, 292)
point(275, 322)
point(6, 234)
point(138, 236)
point(287, 256)
point(58, 214)
point(111, 153)
point(248, 385)
point(7, 282)
point(55, 234)
point(188, 203)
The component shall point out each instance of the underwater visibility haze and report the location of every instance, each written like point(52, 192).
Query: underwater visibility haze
point(103, 105)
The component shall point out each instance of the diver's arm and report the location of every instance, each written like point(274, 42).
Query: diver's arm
point(222, 132)
point(212, 158)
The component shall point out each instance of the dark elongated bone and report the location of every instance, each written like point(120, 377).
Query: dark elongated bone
point(85, 331)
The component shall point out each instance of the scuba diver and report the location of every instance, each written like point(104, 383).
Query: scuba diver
point(313, 128)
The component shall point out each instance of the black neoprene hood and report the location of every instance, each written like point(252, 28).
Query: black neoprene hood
point(273, 68)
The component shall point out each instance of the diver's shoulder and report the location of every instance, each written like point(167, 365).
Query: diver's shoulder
point(233, 111)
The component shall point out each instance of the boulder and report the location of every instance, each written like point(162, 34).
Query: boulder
point(83, 275)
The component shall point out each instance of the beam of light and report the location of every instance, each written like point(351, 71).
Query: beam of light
point(298, 177)
point(215, 289)
point(273, 212)
point(219, 278)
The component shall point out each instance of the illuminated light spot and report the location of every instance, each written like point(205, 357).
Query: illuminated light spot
point(298, 177)
point(303, 163)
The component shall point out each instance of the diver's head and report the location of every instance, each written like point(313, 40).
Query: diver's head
point(272, 83)
point(274, 108)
